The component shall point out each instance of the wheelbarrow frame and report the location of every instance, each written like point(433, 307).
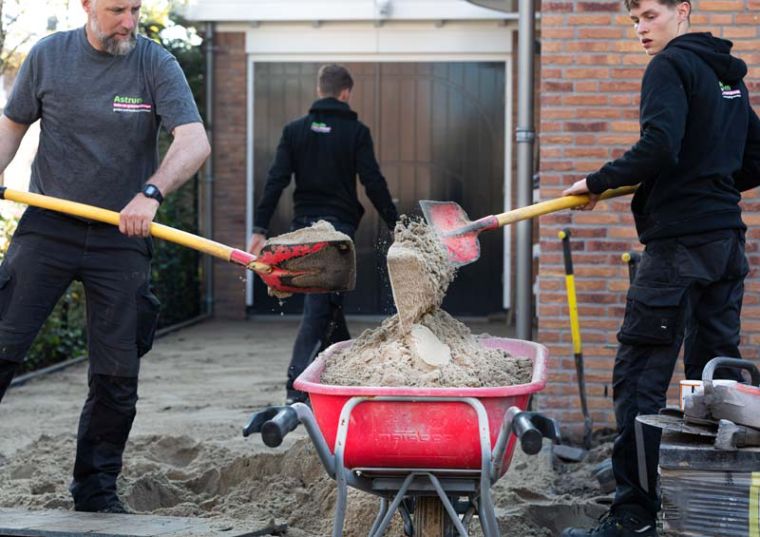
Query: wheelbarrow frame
point(395, 484)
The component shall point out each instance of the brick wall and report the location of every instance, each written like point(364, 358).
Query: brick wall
point(591, 67)
point(229, 169)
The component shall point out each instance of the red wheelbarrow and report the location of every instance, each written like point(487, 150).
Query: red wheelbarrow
point(410, 446)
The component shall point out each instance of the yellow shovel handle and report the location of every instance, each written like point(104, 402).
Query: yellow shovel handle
point(159, 231)
point(551, 206)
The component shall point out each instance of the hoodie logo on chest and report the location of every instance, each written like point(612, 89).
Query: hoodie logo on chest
point(728, 92)
point(321, 128)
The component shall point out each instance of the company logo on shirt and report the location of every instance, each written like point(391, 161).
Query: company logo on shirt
point(728, 92)
point(322, 128)
point(131, 105)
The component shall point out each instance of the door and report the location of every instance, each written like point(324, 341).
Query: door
point(439, 134)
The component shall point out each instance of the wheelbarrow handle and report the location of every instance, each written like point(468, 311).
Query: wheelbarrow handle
point(274, 423)
point(531, 428)
point(274, 430)
point(159, 231)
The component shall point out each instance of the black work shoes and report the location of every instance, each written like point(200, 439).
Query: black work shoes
point(294, 396)
point(616, 525)
point(114, 508)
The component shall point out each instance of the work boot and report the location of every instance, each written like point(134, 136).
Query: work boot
point(115, 507)
point(295, 396)
point(616, 525)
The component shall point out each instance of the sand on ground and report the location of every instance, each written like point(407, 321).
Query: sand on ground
point(186, 455)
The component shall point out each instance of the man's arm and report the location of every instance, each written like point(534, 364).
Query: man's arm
point(277, 179)
point(749, 175)
point(373, 181)
point(664, 108)
point(187, 152)
point(11, 134)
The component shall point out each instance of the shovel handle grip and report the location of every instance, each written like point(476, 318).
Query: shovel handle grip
point(551, 206)
point(157, 230)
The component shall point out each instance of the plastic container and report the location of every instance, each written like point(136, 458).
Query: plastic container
point(422, 432)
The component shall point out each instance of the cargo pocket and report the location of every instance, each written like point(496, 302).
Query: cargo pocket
point(148, 308)
point(5, 290)
point(651, 315)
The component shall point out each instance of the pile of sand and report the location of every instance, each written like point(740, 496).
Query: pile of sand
point(380, 357)
point(181, 476)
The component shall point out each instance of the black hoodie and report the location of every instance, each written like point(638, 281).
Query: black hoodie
point(699, 145)
point(326, 149)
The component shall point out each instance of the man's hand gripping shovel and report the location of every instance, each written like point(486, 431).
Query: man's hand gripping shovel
point(320, 266)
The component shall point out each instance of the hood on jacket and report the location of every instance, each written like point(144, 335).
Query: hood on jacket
point(716, 52)
point(331, 105)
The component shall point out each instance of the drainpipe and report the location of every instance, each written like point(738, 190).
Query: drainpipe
point(525, 136)
point(207, 187)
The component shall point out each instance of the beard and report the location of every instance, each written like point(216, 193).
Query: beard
point(112, 45)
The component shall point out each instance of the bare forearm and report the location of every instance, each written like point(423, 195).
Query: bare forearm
point(185, 156)
point(11, 134)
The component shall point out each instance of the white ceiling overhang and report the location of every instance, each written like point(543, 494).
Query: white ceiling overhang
point(338, 10)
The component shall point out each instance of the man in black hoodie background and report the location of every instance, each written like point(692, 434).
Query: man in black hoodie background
point(699, 149)
point(324, 150)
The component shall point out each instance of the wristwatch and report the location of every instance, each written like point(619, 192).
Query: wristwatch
point(152, 191)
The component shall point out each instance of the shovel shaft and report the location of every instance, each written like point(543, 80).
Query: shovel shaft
point(159, 231)
point(550, 206)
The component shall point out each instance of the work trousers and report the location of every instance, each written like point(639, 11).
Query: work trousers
point(323, 322)
point(686, 290)
point(47, 252)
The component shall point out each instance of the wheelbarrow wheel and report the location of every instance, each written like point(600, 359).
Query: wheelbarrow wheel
point(430, 518)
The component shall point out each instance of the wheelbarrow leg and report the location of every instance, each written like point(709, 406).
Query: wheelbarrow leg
point(340, 506)
point(386, 520)
point(487, 516)
point(447, 505)
point(380, 515)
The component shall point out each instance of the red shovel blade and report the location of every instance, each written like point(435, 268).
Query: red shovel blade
point(316, 267)
point(456, 232)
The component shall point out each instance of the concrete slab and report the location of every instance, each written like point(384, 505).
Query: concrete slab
point(47, 523)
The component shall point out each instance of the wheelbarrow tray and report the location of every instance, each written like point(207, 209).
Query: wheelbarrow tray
point(421, 431)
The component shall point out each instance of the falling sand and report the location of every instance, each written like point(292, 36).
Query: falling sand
point(419, 271)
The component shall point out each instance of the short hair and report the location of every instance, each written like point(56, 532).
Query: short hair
point(334, 78)
point(630, 4)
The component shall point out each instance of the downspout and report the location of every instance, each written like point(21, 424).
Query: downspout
point(207, 194)
point(525, 136)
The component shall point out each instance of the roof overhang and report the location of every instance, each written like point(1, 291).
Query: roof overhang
point(337, 10)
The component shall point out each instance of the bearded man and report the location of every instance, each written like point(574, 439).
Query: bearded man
point(101, 93)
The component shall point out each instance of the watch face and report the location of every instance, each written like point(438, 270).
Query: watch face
point(150, 190)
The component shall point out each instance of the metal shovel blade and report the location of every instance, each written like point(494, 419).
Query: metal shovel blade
point(318, 267)
point(454, 229)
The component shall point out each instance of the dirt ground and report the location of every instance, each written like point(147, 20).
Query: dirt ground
point(187, 456)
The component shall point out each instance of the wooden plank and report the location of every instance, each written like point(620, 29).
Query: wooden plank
point(22, 523)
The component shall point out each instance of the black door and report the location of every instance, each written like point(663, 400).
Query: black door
point(439, 134)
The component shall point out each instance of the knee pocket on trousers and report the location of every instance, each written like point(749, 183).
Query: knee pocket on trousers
point(651, 315)
point(148, 309)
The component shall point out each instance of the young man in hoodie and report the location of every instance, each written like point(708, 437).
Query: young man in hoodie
point(324, 150)
point(699, 149)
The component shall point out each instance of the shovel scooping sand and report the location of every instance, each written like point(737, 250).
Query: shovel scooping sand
point(333, 268)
